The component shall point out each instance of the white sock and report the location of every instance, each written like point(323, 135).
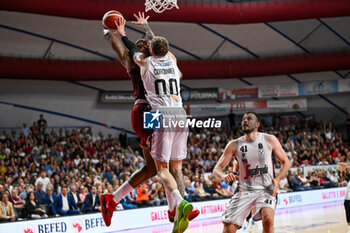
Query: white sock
point(171, 200)
point(177, 196)
point(348, 228)
point(122, 191)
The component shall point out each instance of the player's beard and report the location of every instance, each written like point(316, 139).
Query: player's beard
point(247, 131)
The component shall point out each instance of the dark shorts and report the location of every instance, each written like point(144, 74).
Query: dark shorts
point(137, 123)
point(347, 210)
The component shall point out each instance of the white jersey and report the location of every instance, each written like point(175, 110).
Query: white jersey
point(255, 164)
point(162, 82)
point(347, 194)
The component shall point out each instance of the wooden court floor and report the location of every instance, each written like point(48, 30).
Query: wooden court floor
point(325, 218)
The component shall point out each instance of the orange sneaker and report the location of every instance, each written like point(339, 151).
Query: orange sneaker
point(107, 207)
point(193, 215)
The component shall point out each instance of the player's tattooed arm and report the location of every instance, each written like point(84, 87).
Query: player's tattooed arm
point(143, 22)
point(179, 177)
point(119, 48)
point(149, 33)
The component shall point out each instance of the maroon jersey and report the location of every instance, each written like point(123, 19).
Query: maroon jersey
point(139, 90)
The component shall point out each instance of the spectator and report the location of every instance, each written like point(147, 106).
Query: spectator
point(3, 167)
point(231, 117)
point(191, 191)
point(210, 189)
point(27, 189)
point(283, 185)
point(64, 204)
point(25, 130)
point(39, 193)
point(108, 174)
point(203, 194)
point(49, 199)
point(43, 179)
point(42, 124)
point(325, 181)
point(92, 201)
point(142, 198)
point(304, 181)
point(323, 161)
point(83, 192)
point(6, 209)
point(123, 139)
point(32, 208)
point(157, 196)
point(224, 193)
point(18, 204)
point(334, 178)
point(35, 129)
point(315, 181)
point(109, 189)
point(128, 202)
point(74, 193)
point(297, 184)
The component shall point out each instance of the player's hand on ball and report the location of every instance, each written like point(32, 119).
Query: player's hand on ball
point(121, 27)
point(230, 177)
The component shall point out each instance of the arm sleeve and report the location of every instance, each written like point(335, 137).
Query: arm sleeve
point(131, 46)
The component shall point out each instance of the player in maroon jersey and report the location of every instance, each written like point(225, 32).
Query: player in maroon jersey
point(110, 201)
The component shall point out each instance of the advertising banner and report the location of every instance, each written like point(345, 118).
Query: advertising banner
point(269, 90)
point(288, 90)
point(116, 97)
point(294, 199)
point(200, 94)
point(292, 104)
point(241, 93)
point(153, 216)
point(278, 90)
point(322, 87)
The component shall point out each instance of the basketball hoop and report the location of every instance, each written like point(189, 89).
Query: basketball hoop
point(160, 5)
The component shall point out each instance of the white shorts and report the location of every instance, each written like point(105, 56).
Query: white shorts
point(170, 143)
point(242, 203)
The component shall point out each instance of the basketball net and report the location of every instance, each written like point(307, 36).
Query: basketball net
point(160, 5)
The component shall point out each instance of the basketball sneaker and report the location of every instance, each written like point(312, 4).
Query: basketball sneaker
point(193, 215)
point(108, 206)
point(181, 220)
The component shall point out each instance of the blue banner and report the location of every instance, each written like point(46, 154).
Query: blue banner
point(322, 87)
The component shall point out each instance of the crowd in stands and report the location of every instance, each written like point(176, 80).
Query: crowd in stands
point(46, 173)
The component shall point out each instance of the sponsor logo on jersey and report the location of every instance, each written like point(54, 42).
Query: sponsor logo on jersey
point(261, 149)
point(258, 171)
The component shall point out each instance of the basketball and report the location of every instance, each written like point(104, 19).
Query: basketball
point(110, 17)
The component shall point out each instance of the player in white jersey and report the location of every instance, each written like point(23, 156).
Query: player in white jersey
point(161, 79)
point(345, 173)
point(257, 185)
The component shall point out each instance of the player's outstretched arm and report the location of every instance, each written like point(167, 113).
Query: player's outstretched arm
point(131, 46)
point(119, 48)
point(142, 21)
point(282, 157)
point(225, 159)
